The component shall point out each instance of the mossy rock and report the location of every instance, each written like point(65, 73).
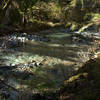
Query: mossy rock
point(85, 85)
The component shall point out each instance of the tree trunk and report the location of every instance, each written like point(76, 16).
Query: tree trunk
point(5, 12)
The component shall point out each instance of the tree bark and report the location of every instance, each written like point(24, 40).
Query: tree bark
point(5, 12)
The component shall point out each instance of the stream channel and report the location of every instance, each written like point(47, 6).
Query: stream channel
point(40, 62)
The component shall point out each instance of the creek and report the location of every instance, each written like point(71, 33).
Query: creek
point(40, 62)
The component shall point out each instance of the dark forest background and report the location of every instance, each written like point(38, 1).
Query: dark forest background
point(44, 14)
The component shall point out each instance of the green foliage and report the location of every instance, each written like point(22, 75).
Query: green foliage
point(43, 11)
point(25, 4)
point(80, 12)
point(76, 12)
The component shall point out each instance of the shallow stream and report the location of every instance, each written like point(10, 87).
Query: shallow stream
point(54, 61)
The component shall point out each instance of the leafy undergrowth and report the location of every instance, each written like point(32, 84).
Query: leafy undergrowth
point(85, 85)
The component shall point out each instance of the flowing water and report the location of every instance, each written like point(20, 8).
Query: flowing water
point(41, 65)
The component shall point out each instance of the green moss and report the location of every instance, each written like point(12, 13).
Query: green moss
point(85, 27)
point(77, 77)
point(95, 16)
point(74, 27)
point(85, 85)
